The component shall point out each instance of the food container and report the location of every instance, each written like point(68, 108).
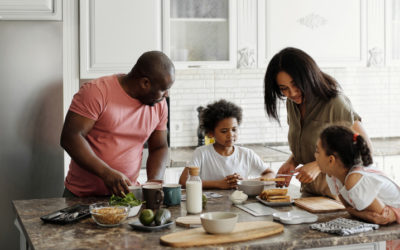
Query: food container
point(108, 216)
point(251, 188)
point(218, 222)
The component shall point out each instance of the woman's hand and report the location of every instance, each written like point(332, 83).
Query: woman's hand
point(308, 172)
point(387, 216)
point(287, 168)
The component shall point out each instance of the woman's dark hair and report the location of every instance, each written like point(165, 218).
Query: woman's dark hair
point(341, 142)
point(216, 112)
point(307, 76)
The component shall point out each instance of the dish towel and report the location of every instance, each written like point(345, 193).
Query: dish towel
point(343, 226)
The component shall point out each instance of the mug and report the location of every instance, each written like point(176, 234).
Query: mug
point(172, 194)
point(137, 192)
point(153, 196)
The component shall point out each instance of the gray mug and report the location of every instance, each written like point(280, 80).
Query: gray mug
point(172, 194)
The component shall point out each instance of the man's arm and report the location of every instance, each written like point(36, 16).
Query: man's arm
point(73, 140)
point(158, 155)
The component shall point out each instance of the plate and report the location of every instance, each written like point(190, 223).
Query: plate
point(139, 226)
point(295, 217)
point(274, 204)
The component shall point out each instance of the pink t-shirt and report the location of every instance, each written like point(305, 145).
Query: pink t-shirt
point(123, 124)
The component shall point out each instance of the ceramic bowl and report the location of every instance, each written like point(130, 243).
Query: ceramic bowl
point(218, 222)
point(251, 188)
point(133, 211)
point(108, 216)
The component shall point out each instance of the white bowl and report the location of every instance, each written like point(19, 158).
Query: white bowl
point(218, 222)
point(133, 211)
point(251, 188)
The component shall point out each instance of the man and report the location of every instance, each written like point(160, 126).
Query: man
point(107, 124)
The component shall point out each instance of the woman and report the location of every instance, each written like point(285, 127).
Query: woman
point(313, 100)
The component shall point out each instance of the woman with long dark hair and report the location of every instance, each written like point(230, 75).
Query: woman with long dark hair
point(313, 100)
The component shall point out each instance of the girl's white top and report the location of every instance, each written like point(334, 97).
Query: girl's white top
point(214, 166)
point(373, 184)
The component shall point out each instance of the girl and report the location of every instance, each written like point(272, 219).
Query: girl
point(313, 99)
point(366, 192)
point(222, 163)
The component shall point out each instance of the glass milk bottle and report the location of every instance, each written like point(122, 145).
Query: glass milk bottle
point(194, 192)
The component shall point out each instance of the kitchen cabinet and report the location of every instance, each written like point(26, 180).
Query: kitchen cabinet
point(113, 34)
point(333, 32)
point(30, 10)
point(200, 34)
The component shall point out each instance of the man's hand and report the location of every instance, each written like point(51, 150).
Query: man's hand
point(308, 172)
point(387, 216)
point(116, 182)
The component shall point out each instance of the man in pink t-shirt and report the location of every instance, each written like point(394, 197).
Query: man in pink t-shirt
point(108, 122)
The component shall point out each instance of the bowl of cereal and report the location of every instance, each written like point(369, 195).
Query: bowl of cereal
point(108, 216)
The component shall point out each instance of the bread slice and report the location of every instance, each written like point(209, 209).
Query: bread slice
point(279, 200)
point(274, 192)
point(277, 197)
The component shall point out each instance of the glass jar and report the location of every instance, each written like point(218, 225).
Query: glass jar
point(194, 192)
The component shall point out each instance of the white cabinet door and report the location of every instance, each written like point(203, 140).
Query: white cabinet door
point(333, 32)
point(200, 34)
point(113, 34)
point(30, 10)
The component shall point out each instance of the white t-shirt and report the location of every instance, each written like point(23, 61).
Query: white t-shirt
point(214, 166)
point(373, 184)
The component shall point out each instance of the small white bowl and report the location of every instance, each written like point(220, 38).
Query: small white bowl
point(133, 211)
point(218, 222)
point(251, 188)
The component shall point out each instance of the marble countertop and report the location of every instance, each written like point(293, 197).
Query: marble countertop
point(86, 234)
point(280, 153)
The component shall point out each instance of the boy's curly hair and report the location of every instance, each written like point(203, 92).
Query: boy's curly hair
point(216, 112)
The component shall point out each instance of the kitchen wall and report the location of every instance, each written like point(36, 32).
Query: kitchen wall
point(31, 117)
point(373, 92)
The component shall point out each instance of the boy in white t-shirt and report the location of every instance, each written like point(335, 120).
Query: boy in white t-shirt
point(222, 163)
point(365, 191)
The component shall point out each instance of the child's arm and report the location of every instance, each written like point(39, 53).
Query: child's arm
point(376, 212)
point(184, 176)
point(386, 217)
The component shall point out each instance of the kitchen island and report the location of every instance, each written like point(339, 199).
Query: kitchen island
point(87, 234)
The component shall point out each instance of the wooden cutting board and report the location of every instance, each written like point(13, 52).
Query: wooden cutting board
point(188, 221)
point(243, 231)
point(319, 204)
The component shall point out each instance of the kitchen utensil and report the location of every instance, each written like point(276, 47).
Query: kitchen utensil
point(251, 188)
point(67, 215)
point(257, 209)
point(218, 222)
point(106, 215)
point(172, 194)
point(319, 204)
point(294, 174)
point(243, 231)
point(137, 225)
point(188, 221)
point(153, 196)
point(295, 217)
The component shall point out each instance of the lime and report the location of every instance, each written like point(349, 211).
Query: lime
point(204, 199)
point(146, 217)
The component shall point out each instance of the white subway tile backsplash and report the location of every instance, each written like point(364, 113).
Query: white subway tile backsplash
point(374, 93)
